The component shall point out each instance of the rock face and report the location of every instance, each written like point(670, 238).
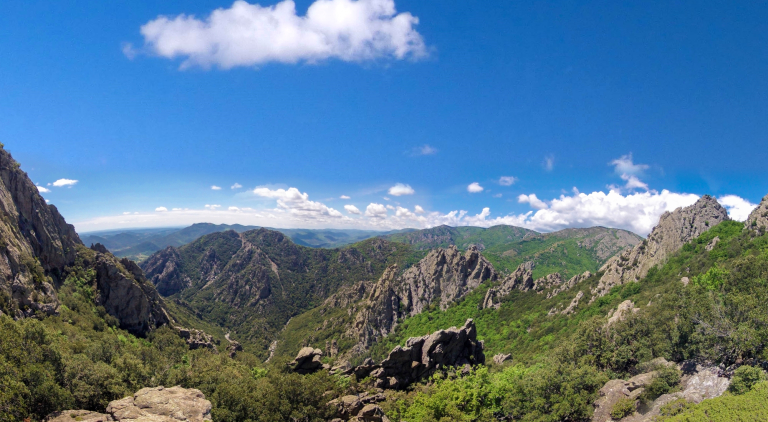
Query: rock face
point(157, 404)
point(423, 356)
point(36, 244)
point(78, 415)
point(758, 217)
point(442, 277)
point(163, 271)
point(307, 361)
point(350, 406)
point(125, 294)
point(675, 229)
point(162, 405)
point(622, 311)
point(197, 339)
point(521, 279)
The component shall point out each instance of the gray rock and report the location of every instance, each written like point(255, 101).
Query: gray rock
point(197, 339)
point(351, 405)
point(501, 358)
point(424, 356)
point(161, 404)
point(163, 269)
point(78, 415)
point(675, 229)
point(622, 311)
point(758, 218)
point(308, 360)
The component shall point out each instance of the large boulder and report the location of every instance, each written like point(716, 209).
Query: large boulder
point(161, 404)
point(307, 361)
point(349, 406)
point(157, 404)
point(424, 356)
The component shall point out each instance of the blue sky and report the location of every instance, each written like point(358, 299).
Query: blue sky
point(639, 108)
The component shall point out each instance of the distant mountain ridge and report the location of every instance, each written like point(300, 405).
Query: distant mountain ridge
point(138, 244)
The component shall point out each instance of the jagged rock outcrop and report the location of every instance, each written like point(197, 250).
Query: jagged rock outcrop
point(521, 279)
point(197, 339)
point(574, 303)
point(621, 312)
point(308, 360)
point(697, 383)
point(423, 356)
point(163, 270)
point(36, 244)
point(157, 404)
point(674, 230)
point(758, 218)
point(440, 278)
point(125, 294)
point(500, 358)
point(350, 406)
point(571, 283)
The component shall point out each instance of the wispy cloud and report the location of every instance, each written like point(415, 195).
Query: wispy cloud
point(549, 163)
point(161, 209)
point(236, 186)
point(507, 180)
point(251, 35)
point(344, 197)
point(425, 149)
point(214, 187)
point(625, 165)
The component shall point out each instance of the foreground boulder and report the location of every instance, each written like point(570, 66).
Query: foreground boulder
point(424, 356)
point(350, 406)
point(157, 404)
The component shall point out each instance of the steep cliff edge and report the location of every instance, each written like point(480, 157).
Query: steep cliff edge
point(758, 218)
point(36, 244)
point(674, 230)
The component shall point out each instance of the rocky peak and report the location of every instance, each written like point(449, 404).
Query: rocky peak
point(36, 244)
point(521, 279)
point(440, 278)
point(674, 230)
point(758, 218)
point(163, 270)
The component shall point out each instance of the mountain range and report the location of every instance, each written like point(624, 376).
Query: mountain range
point(583, 324)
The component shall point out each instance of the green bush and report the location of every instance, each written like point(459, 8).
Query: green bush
point(623, 407)
point(745, 377)
point(665, 380)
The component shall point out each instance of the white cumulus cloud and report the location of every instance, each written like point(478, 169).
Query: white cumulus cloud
point(738, 207)
point(214, 187)
point(297, 204)
point(376, 211)
point(507, 180)
point(533, 200)
point(161, 209)
point(251, 35)
point(352, 209)
point(625, 165)
point(418, 209)
point(42, 189)
point(400, 189)
point(64, 182)
point(212, 206)
point(474, 187)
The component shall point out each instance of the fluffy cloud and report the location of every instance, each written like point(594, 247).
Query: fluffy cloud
point(212, 206)
point(298, 205)
point(64, 182)
point(474, 187)
point(376, 211)
point(507, 180)
point(344, 197)
point(352, 209)
point(738, 208)
point(400, 189)
point(251, 35)
point(625, 165)
point(533, 200)
point(418, 209)
point(214, 187)
point(236, 186)
point(42, 189)
point(233, 209)
point(633, 182)
point(161, 209)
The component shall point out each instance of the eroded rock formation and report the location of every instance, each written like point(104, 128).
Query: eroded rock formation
point(758, 218)
point(675, 229)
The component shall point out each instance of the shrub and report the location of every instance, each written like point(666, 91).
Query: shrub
point(663, 382)
point(622, 408)
point(745, 378)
